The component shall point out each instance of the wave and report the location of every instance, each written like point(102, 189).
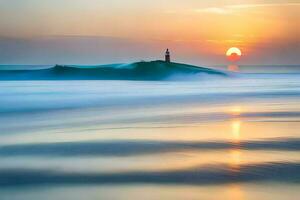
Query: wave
point(130, 148)
point(154, 70)
point(199, 175)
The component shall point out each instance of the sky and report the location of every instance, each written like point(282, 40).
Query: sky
point(117, 31)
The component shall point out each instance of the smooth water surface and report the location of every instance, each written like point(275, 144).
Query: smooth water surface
point(234, 137)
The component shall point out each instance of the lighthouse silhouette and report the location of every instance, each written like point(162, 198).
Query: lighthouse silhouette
point(167, 56)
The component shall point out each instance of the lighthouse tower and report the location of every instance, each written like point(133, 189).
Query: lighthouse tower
point(167, 56)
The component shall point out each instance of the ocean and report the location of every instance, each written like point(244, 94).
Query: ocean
point(141, 134)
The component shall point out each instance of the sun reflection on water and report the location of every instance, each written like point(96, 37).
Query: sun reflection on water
point(235, 153)
point(235, 192)
point(236, 130)
point(236, 110)
point(233, 68)
point(235, 160)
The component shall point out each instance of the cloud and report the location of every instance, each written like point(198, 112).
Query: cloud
point(229, 9)
point(215, 10)
point(241, 6)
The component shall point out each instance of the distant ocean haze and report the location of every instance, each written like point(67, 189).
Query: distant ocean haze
point(93, 50)
point(228, 132)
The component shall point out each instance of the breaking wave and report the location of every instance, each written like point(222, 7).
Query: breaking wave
point(154, 70)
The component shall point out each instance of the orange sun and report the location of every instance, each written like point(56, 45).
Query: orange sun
point(234, 54)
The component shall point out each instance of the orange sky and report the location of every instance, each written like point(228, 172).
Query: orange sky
point(261, 29)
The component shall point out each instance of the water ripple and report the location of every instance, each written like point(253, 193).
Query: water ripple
point(207, 175)
point(135, 147)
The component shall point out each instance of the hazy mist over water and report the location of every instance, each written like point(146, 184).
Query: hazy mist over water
point(210, 136)
point(151, 100)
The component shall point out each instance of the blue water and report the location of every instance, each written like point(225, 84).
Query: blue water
point(214, 136)
point(150, 71)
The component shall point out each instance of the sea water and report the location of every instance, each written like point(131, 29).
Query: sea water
point(234, 138)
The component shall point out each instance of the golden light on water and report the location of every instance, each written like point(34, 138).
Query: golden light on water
point(235, 153)
point(235, 160)
point(236, 130)
point(235, 192)
point(236, 110)
point(233, 68)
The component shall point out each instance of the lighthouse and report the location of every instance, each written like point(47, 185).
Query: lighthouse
point(167, 56)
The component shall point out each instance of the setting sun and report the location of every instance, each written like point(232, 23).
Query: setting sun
point(160, 99)
point(233, 54)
